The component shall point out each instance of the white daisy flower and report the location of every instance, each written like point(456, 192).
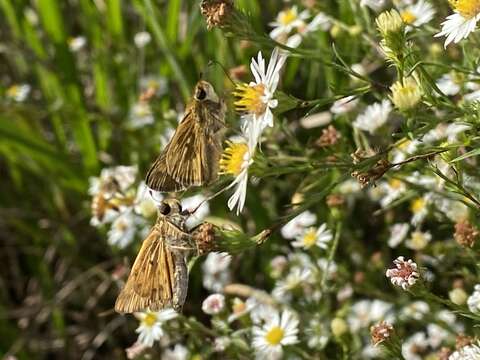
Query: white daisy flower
point(179, 352)
point(417, 14)
point(77, 43)
point(140, 115)
point(448, 85)
point(405, 273)
point(122, 177)
point(150, 329)
point(18, 92)
point(375, 5)
point(298, 224)
point(145, 203)
point(123, 229)
point(241, 308)
point(419, 208)
point(236, 160)
point(392, 190)
point(473, 300)
point(398, 233)
point(468, 352)
point(366, 312)
point(141, 39)
point(418, 240)
point(415, 346)
point(312, 236)
point(191, 203)
point(462, 22)
point(296, 277)
point(319, 22)
point(213, 304)
point(216, 272)
point(436, 335)
point(374, 116)
point(416, 310)
point(286, 21)
point(281, 330)
point(256, 100)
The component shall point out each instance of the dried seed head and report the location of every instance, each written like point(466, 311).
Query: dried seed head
point(372, 175)
point(216, 12)
point(204, 237)
point(465, 233)
point(335, 200)
point(329, 137)
point(463, 340)
point(380, 332)
point(444, 353)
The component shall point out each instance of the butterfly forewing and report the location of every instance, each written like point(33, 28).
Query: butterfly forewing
point(157, 274)
point(192, 155)
point(158, 177)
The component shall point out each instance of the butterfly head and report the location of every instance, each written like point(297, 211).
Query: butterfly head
point(204, 91)
point(170, 207)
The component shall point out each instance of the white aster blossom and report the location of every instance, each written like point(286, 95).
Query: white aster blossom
point(18, 92)
point(374, 116)
point(418, 13)
point(123, 229)
point(256, 99)
point(141, 39)
point(150, 329)
point(213, 304)
point(398, 233)
point(473, 300)
point(298, 224)
point(216, 272)
point(312, 236)
point(279, 331)
point(191, 203)
point(462, 22)
point(405, 274)
point(468, 352)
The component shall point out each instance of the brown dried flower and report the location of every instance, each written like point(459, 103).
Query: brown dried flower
point(444, 353)
point(465, 233)
point(372, 175)
point(463, 340)
point(335, 200)
point(380, 332)
point(216, 12)
point(204, 237)
point(329, 137)
point(238, 72)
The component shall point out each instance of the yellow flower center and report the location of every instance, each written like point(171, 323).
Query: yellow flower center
point(418, 240)
point(13, 90)
point(467, 8)
point(239, 307)
point(274, 335)
point(233, 158)
point(150, 319)
point(417, 205)
point(395, 184)
point(287, 17)
point(408, 17)
point(310, 238)
point(250, 98)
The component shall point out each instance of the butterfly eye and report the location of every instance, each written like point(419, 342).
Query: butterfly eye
point(164, 209)
point(201, 94)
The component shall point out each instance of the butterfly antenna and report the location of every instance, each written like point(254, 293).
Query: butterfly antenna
point(215, 62)
point(211, 197)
